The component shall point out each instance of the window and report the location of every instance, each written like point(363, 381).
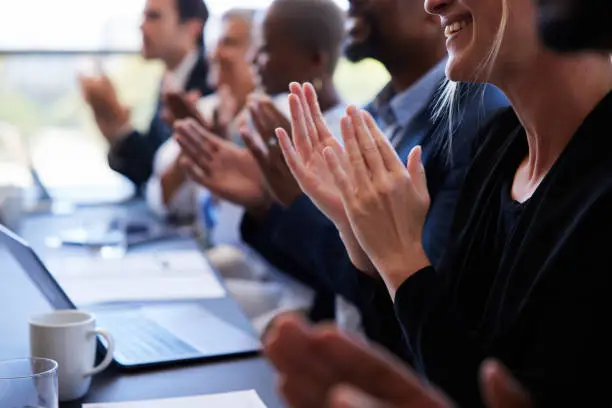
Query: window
point(45, 44)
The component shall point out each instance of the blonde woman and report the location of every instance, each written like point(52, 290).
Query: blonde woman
point(526, 278)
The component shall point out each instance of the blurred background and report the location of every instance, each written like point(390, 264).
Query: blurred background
point(45, 45)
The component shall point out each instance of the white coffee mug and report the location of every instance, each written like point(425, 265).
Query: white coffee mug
point(69, 337)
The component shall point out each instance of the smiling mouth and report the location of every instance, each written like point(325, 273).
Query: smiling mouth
point(454, 28)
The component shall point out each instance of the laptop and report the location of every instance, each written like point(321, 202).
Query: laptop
point(146, 333)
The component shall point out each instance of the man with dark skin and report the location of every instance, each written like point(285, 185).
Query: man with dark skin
point(287, 49)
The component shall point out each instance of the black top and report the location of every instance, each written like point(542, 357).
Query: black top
point(510, 212)
point(527, 283)
point(133, 155)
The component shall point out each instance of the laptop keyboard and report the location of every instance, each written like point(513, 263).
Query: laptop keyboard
point(141, 340)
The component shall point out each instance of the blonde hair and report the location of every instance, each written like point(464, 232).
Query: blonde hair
point(447, 107)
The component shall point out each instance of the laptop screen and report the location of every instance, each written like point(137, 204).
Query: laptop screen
point(36, 270)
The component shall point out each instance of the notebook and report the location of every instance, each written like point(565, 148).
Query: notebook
point(240, 399)
point(168, 275)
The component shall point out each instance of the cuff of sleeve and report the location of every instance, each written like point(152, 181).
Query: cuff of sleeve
point(296, 213)
point(120, 145)
point(307, 234)
point(414, 296)
point(301, 222)
point(123, 133)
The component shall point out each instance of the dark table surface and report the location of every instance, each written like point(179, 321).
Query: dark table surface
point(19, 299)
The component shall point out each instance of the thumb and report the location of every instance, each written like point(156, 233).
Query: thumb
point(345, 396)
point(500, 389)
point(193, 96)
point(253, 145)
point(417, 171)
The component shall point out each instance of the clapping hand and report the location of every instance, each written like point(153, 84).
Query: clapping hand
point(224, 113)
point(110, 115)
point(322, 367)
point(266, 118)
point(311, 137)
point(227, 170)
point(181, 105)
point(386, 203)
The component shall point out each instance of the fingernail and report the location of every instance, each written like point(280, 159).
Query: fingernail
point(489, 368)
point(348, 398)
point(419, 152)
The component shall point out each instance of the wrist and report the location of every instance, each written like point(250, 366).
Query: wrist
point(117, 133)
point(396, 271)
point(289, 198)
point(259, 211)
point(358, 257)
point(171, 180)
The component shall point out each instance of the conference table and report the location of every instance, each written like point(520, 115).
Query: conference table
point(19, 299)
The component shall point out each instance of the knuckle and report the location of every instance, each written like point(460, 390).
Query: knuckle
point(400, 178)
point(368, 199)
point(370, 147)
point(386, 187)
point(355, 159)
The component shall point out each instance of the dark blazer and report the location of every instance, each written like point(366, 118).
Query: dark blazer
point(304, 235)
point(133, 155)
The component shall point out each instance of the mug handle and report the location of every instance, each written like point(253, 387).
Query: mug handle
point(110, 350)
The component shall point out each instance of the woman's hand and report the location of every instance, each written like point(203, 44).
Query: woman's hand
point(386, 202)
point(311, 137)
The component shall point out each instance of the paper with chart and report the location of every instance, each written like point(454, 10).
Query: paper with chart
point(241, 399)
point(172, 275)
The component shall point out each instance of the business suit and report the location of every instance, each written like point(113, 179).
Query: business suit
point(306, 236)
point(133, 155)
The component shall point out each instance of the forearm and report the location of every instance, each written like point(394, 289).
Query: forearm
point(171, 182)
point(356, 254)
point(257, 231)
point(312, 240)
point(132, 157)
point(452, 358)
point(396, 268)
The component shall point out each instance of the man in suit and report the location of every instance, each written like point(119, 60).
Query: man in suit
point(571, 25)
point(409, 43)
point(172, 31)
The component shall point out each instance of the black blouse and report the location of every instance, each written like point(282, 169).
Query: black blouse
point(526, 283)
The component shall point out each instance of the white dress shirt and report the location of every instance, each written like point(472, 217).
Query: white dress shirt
point(172, 81)
point(184, 200)
point(176, 80)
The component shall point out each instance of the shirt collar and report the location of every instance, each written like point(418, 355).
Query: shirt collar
point(401, 108)
point(179, 76)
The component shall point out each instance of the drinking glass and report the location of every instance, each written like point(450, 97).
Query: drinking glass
point(28, 383)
